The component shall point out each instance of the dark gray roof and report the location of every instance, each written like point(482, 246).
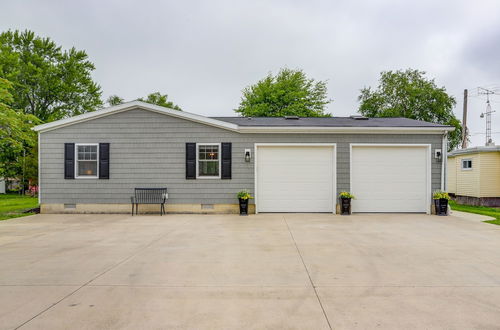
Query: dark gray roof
point(327, 122)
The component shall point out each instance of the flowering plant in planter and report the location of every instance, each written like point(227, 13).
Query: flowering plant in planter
point(346, 194)
point(441, 199)
point(345, 205)
point(244, 194)
point(243, 197)
point(439, 194)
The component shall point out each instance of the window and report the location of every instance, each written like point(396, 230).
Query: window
point(466, 164)
point(86, 160)
point(208, 160)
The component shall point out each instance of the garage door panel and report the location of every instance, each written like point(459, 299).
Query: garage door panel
point(310, 188)
point(389, 179)
point(295, 179)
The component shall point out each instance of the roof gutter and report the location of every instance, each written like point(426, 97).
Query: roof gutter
point(358, 130)
point(444, 158)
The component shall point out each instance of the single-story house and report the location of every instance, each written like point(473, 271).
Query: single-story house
point(474, 175)
point(93, 162)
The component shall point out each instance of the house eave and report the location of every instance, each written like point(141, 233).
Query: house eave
point(346, 130)
point(134, 105)
point(234, 127)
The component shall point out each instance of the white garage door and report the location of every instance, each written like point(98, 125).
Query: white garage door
point(295, 179)
point(390, 179)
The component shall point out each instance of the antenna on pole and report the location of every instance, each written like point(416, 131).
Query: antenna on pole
point(487, 114)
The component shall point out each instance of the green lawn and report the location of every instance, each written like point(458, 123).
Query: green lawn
point(13, 205)
point(490, 211)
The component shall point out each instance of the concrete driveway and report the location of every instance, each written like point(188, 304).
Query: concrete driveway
point(269, 271)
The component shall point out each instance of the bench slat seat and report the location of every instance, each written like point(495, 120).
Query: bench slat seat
point(149, 196)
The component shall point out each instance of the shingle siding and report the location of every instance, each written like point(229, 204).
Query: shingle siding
point(147, 149)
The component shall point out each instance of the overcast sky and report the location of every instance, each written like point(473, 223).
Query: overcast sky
point(203, 53)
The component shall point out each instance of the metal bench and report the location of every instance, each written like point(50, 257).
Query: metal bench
point(149, 196)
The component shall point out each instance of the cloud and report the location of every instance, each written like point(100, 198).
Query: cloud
point(203, 53)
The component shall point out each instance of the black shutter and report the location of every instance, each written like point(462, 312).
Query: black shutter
point(69, 160)
point(226, 160)
point(190, 161)
point(103, 160)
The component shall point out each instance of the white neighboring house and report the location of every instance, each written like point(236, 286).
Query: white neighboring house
point(2, 186)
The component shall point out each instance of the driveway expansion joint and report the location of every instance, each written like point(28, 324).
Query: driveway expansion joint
point(308, 274)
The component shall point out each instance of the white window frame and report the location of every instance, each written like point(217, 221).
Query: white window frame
point(462, 164)
point(198, 176)
point(76, 161)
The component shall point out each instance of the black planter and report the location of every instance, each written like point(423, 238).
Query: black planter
point(243, 206)
point(441, 206)
point(345, 206)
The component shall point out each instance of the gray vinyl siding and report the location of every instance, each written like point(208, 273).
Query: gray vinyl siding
point(147, 149)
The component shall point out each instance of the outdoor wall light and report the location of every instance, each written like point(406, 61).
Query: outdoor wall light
point(247, 155)
point(438, 154)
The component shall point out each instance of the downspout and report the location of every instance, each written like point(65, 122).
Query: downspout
point(444, 160)
point(39, 173)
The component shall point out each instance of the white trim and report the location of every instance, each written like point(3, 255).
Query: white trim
point(420, 145)
point(135, 105)
point(444, 158)
point(203, 177)
point(334, 165)
point(234, 127)
point(76, 161)
point(344, 130)
point(466, 168)
point(39, 174)
point(444, 146)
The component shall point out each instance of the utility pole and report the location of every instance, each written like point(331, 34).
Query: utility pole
point(464, 122)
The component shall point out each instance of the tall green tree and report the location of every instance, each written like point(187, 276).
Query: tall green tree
point(161, 100)
point(114, 100)
point(16, 137)
point(289, 93)
point(410, 94)
point(48, 82)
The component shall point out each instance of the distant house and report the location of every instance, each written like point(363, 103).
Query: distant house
point(474, 175)
point(2, 186)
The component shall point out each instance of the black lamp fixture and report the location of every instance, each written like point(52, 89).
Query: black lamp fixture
point(247, 155)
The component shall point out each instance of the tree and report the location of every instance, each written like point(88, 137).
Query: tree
point(114, 100)
point(410, 94)
point(289, 93)
point(48, 82)
point(16, 136)
point(161, 100)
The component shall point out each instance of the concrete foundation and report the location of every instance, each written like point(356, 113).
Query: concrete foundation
point(478, 201)
point(143, 208)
